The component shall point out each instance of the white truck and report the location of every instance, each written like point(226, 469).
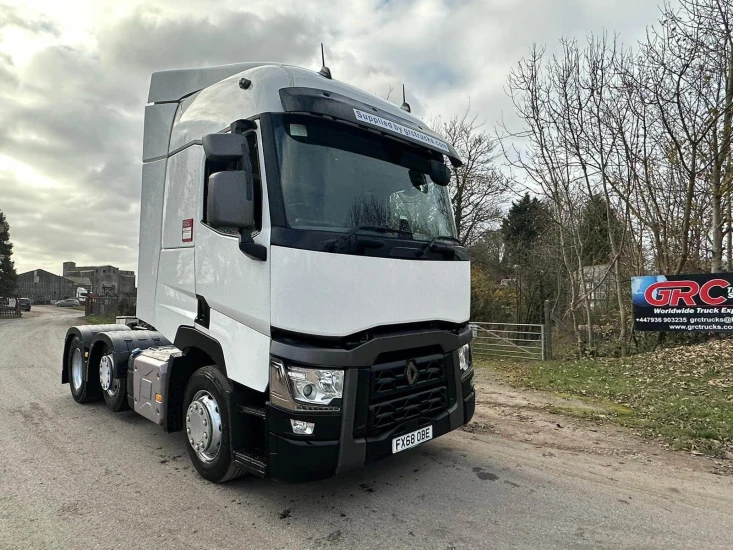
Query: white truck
point(303, 302)
point(81, 294)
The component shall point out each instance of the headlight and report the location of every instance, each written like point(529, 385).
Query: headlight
point(464, 358)
point(304, 389)
point(315, 386)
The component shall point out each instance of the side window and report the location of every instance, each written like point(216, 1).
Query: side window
point(213, 167)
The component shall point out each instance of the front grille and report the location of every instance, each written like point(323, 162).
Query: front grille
point(388, 414)
point(392, 399)
point(390, 379)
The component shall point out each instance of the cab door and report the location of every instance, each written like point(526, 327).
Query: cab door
point(233, 290)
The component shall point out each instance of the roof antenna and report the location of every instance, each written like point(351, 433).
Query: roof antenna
point(325, 71)
point(405, 106)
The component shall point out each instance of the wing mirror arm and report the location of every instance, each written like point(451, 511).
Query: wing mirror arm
point(251, 248)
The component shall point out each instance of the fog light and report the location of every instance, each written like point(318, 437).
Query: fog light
point(302, 428)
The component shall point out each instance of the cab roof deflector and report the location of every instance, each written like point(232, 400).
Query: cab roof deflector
point(170, 86)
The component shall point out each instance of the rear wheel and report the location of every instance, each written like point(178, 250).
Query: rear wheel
point(82, 390)
point(206, 425)
point(114, 390)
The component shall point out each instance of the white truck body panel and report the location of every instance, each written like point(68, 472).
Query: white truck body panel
point(246, 351)
point(167, 86)
point(151, 218)
point(318, 292)
point(216, 107)
point(183, 196)
point(175, 297)
point(157, 130)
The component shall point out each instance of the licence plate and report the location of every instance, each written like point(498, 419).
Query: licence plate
point(412, 439)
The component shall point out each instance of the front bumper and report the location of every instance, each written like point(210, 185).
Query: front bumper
point(344, 441)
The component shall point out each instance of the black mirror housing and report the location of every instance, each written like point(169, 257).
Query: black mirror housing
point(230, 201)
point(225, 147)
point(417, 178)
point(439, 173)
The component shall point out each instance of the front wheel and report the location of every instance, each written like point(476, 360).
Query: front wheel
point(206, 425)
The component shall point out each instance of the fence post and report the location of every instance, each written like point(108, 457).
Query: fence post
point(547, 333)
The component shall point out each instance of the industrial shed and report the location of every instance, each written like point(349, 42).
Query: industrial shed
point(43, 287)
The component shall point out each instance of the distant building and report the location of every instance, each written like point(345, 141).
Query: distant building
point(101, 279)
point(43, 287)
point(598, 281)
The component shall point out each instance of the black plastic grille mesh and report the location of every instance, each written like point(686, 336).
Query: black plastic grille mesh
point(390, 379)
point(386, 415)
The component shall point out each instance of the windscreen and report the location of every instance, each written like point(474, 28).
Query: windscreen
point(335, 177)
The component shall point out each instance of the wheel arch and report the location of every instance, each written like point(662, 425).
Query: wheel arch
point(85, 334)
point(199, 350)
point(192, 340)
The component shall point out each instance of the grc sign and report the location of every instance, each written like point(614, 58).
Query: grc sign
point(676, 293)
point(699, 302)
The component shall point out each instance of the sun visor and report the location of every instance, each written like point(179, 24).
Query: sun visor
point(323, 102)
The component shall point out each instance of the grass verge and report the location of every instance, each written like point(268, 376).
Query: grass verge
point(100, 319)
point(684, 395)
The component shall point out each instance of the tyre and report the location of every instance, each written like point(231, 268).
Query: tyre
point(82, 390)
point(206, 425)
point(114, 390)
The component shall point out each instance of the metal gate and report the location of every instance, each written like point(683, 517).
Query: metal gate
point(510, 340)
point(9, 307)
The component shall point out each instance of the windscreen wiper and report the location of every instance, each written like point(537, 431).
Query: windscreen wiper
point(444, 249)
point(351, 239)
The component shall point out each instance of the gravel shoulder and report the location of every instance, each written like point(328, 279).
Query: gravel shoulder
point(76, 476)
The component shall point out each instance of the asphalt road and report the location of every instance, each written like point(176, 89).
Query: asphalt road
point(80, 476)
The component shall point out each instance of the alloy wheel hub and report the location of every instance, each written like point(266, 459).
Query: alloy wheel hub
point(76, 368)
point(105, 372)
point(203, 426)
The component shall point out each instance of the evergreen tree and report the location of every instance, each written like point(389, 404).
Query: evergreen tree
point(525, 233)
point(8, 276)
point(594, 231)
point(523, 225)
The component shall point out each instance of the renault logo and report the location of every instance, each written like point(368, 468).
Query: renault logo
point(411, 372)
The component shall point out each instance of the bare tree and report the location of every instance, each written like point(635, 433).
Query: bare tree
point(478, 187)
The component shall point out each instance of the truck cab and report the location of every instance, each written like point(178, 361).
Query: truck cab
point(299, 265)
point(81, 294)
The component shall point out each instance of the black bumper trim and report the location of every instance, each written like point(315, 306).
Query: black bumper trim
point(301, 461)
point(366, 354)
point(328, 425)
point(469, 406)
point(352, 452)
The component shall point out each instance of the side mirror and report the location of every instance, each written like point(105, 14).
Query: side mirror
point(439, 173)
point(225, 147)
point(230, 200)
point(417, 178)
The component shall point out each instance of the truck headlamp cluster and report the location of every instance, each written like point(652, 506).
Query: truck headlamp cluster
point(305, 389)
point(464, 359)
point(315, 386)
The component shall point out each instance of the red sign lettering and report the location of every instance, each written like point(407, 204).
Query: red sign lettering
point(670, 293)
point(705, 292)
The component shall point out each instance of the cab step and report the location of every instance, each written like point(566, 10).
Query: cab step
point(253, 460)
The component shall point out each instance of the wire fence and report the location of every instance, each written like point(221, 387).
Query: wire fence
point(109, 305)
point(510, 340)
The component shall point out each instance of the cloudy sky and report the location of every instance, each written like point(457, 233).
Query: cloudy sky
point(74, 78)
